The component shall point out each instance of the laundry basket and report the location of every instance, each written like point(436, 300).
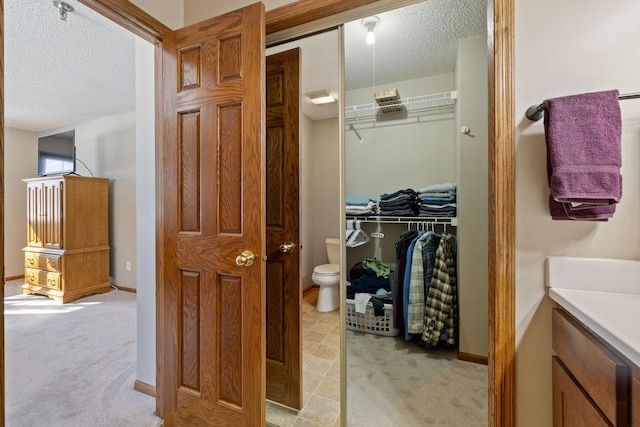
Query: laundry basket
point(368, 322)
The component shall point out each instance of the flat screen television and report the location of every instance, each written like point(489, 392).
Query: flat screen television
point(57, 154)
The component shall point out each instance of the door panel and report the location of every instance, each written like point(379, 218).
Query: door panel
point(52, 214)
point(284, 350)
point(211, 307)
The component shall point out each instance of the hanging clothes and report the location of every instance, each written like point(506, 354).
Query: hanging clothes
point(397, 281)
point(419, 270)
point(407, 281)
point(429, 249)
point(441, 305)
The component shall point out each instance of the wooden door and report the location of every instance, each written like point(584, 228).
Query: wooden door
point(284, 350)
point(211, 299)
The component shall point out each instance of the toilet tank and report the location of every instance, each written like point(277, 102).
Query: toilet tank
point(333, 250)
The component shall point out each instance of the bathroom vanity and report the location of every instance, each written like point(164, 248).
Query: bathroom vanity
point(596, 341)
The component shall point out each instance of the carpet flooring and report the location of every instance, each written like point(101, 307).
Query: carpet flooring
point(73, 365)
point(392, 382)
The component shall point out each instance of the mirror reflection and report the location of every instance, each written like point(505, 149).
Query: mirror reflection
point(318, 204)
point(416, 205)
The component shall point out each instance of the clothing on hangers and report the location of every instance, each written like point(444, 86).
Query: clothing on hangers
point(402, 245)
point(441, 304)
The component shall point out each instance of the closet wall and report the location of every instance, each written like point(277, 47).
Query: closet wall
point(397, 154)
point(415, 153)
point(472, 178)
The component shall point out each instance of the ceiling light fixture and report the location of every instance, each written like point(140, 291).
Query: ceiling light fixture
point(63, 8)
point(370, 23)
point(321, 97)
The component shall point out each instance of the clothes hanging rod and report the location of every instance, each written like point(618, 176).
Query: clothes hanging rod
point(536, 112)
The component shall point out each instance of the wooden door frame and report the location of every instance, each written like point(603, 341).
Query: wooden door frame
point(501, 250)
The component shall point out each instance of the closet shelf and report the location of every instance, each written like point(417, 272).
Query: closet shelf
point(417, 106)
point(453, 221)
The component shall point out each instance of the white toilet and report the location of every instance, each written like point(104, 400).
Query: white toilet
point(327, 276)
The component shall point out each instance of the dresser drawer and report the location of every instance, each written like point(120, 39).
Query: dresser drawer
point(601, 374)
point(42, 261)
point(42, 278)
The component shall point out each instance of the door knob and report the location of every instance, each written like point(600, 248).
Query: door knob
point(286, 247)
point(245, 258)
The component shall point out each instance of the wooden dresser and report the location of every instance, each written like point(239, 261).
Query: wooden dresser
point(67, 252)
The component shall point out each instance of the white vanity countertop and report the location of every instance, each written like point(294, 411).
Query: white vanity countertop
point(602, 294)
point(615, 317)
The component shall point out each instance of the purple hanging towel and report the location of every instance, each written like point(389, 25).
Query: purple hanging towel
point(583, 134)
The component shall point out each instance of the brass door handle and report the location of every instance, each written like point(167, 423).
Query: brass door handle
point(246, 258)
point(286, 247)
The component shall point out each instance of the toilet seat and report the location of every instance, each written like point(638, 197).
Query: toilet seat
point(327, 270)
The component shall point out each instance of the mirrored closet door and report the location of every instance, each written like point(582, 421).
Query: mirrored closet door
point(318, 206)
point(415, 148)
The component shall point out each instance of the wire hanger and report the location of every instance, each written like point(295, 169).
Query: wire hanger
point(359, 237)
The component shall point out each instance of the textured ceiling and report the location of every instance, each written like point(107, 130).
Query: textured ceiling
point(414, 41)
point(58, 73)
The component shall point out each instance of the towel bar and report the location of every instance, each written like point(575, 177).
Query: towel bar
point(536, 112)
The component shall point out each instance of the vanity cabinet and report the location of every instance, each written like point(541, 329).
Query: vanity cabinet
point(635, 398)
point(592, 383)
point(67, 252)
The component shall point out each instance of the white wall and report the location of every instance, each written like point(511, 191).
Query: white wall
point(398, 154)
point(325, 215)
point(170, 13)
point(145, 204)
point(472, 178)
point(564, 48)
point(306, 201)
point(20, 154)
point(107, 148)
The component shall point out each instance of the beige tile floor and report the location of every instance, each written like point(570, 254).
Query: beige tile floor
point(320, 371)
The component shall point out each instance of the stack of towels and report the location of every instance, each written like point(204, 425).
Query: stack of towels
point(399, 203)
point(360, 206)
point(438, 200)
point(583, 135)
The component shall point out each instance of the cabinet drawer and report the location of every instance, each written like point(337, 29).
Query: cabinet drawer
point(42, 261)
point(42, 278)
point(600, 373)
point(571, 407)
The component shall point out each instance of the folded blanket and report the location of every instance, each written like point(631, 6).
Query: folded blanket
point(583, 134)
point(436, 195)
point(445, 186)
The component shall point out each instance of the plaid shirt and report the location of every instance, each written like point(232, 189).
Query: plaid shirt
point(442, 301)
